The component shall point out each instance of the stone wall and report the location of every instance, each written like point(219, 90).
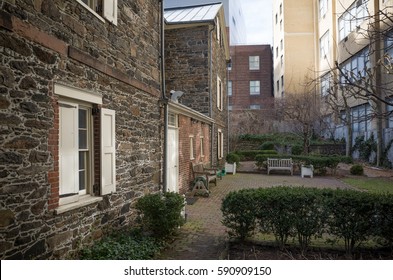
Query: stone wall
point(194, 60)
point(187, 66)
point(43, 43)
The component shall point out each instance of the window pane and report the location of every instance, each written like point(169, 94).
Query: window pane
point(254, 87)
point(254, 62)
point(82, 180)
point(82, 118)
point(83, 139)
point(82, 170)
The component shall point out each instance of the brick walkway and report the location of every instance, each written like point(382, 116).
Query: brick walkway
point(203, 237)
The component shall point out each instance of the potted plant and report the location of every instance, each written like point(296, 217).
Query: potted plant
point(232, 160)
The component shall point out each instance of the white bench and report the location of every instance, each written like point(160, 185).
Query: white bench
point(279, 164)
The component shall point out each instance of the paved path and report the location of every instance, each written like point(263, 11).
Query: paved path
point(203, 237)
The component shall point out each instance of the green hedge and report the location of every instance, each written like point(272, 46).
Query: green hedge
point(252, 154)
point(307, 213)
point(320, 163)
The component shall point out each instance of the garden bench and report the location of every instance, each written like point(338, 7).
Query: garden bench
point(202, 177)
point(279, 164)
point(210, 174)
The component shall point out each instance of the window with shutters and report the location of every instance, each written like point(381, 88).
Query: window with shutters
point(102, 9)
point(79, 170)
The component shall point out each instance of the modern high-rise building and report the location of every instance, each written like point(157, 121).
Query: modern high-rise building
point(344, 48)
point(234, 17)
point(293, 44)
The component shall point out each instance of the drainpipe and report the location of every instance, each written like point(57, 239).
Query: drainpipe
point(211, 96)
point(164, 98)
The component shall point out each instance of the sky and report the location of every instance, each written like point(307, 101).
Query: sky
point(258, 19)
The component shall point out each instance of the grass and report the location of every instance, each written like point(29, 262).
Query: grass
point(374, 185)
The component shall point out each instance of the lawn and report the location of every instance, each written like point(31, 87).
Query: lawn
point(375, 185)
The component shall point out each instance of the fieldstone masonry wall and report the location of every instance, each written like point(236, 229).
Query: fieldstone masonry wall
point(45, 42)
point(194, 60)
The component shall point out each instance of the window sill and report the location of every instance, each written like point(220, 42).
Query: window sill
point(83, 201)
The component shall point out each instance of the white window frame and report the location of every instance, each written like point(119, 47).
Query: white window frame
point(109, 9)
point(323, 8)
point(255, 87)
point(220, 94)
point(388, 42)
point(253, 62)
point(355, 67)
point(360, 115)
point(220, 144)
point(324, 45)
point(255, 107)
point(325, 84)
point(192, 155)
point(73, 98)
point(202, 140)
point(352, 18)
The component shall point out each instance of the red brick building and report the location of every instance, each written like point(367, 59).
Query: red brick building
point(250, 86)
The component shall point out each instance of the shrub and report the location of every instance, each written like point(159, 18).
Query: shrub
point(352, 217)
point(384, 220)
point(238, 212)
point(252, 154)
point(297, 150)
point(309, 217)
point(307, 213)
point(320, 163)
point(122, 246)
point(268, 145)
point(356, 169)
point(275, 215)
point(161, 213)
point(233, 158)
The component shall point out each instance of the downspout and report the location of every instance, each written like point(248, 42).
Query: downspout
point(164, 99)
point(211, 96)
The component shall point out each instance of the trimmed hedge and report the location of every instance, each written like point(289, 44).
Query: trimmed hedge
point(307, 213)
point(252, 154)
point(320, 163)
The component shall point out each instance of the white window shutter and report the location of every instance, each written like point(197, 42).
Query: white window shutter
point(68, 151)
point(108, 152)
point(110, 10)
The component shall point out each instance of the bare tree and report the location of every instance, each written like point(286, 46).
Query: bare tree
point(371, 82)
point(302, 111)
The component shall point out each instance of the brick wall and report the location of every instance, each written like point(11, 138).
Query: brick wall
point(240, 75)
point(47, 42)
point(191, 127)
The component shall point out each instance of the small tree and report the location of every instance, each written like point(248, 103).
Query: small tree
point(302, 111)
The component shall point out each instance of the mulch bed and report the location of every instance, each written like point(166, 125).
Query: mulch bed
point(253, 251)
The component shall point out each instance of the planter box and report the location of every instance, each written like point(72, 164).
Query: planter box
point(230, 168)
point(307, 171)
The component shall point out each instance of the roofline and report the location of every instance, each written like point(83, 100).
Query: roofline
point(187, 111)
point(192, 6)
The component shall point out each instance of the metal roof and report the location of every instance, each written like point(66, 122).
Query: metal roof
point(192, 14)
